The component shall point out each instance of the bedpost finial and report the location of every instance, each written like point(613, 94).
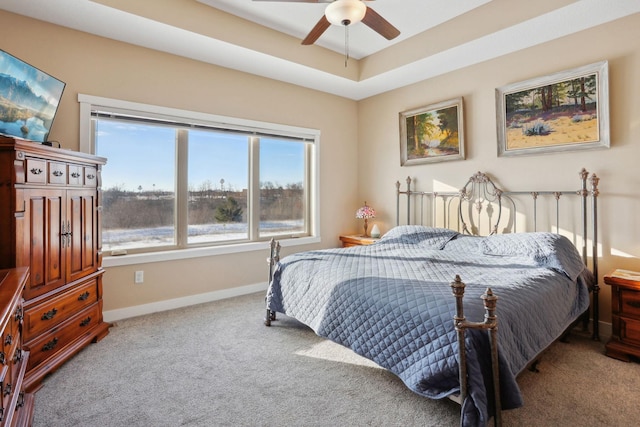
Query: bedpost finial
point(457, 286)
point(594, 184)
point(489, 299)
point(583, 174)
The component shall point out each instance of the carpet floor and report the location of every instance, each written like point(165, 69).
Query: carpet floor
point(216, 364)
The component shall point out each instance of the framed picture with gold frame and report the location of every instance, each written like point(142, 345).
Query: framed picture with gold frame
point(433, 133)
point(565, 111)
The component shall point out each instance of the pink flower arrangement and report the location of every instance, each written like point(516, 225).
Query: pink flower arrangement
point(365, 212)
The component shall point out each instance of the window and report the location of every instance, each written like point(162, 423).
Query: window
point(181, 180)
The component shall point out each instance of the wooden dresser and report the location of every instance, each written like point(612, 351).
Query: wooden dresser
point(625, 314)
point(16, 406)
point(50, 203)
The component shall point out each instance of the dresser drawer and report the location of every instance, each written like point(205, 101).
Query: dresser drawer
point(76, 176)
point(62, 335)
point(51, 312)
point(17, 358)
point(36, 171)
point(57, 173)
point(10, 342)
point(6, 387)
point(10, 336)
point(629, 331)
point(629, 303)
point(12, 372)
point(90, 176)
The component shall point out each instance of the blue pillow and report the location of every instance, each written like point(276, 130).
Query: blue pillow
point(419, 235)
point(546, 249)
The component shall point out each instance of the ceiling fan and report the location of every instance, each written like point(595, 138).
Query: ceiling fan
point(346, 13)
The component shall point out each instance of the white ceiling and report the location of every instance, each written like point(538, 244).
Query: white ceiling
point(411, 17)
point(142, 22)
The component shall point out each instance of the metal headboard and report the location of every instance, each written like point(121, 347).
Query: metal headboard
point(480, 199)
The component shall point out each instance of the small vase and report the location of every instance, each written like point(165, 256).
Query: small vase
point(375, 231)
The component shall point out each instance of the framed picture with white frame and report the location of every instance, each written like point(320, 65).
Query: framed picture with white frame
point(564, 111)
point(433, 133)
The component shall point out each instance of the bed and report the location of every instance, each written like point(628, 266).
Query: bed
point(393, 302)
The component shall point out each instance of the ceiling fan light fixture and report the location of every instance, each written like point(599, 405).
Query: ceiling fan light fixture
point(345, 12)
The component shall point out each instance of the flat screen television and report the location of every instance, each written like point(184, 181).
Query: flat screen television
point(29, 99)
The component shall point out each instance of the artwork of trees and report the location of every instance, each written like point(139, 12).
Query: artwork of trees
point(553, 114)
point(432, 133)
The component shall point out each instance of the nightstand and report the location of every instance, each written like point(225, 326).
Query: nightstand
point(625, 314)
point(355, 240)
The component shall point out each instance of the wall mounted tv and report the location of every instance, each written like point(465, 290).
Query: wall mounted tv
point(28, 99)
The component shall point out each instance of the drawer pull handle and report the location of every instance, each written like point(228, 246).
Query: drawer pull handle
point(50, 345)
point(8, 340)
point(49, 314)
point(86, 321)
point(66, 234)
point(91, 176)
point(7, 389)
point(36, 171)
point(57, 173)
point(18, 315)
point(2, 358)
point(75, 175)
point(84, 296)
point(18, 356)
point(20, 403)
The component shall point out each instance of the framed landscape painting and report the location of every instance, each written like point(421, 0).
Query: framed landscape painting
point(432, 134)
point(564, 111)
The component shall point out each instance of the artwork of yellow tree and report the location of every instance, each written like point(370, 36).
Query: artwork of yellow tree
point(433, 133)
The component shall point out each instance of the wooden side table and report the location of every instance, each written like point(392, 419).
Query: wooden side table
point(356, 240)
point(625, 314)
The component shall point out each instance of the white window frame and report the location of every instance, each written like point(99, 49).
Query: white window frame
point(89, 103)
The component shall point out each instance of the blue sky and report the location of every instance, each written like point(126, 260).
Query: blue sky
point(144, 155)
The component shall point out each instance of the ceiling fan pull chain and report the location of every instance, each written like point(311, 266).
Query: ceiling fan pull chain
point(346, 45)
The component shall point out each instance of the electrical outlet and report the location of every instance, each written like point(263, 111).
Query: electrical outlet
point(139, 277)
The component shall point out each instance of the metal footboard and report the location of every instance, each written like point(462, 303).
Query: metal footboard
point(490, 323)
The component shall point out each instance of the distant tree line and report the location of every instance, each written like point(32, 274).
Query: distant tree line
point(124, 209)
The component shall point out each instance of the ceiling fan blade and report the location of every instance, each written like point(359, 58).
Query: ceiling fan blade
point(317, 31)
point(380, 25)
point(294, 1)
point(301, 1)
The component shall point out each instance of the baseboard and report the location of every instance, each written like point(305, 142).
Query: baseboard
point(605, 330)
point(154, 307)
point(140, 310)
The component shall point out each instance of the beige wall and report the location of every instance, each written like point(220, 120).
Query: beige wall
point(353, 172)
point(102, 67)
point(618, 166)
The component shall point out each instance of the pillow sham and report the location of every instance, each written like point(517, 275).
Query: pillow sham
point(419, 235)
point(546, 249)
point(464, 243)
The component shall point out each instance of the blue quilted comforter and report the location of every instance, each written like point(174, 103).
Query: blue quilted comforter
point(391, 302)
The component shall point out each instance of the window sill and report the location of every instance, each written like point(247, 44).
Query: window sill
point(131, 259)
